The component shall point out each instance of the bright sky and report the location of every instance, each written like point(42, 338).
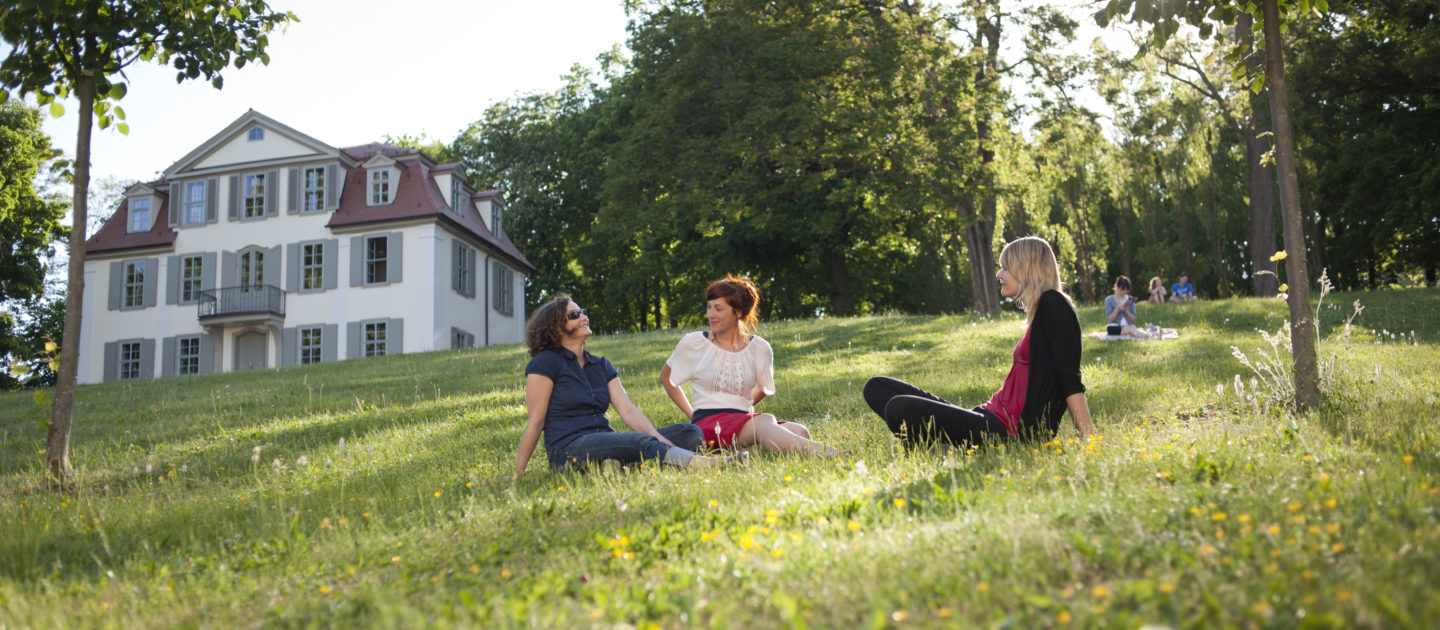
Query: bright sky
point(351, 72)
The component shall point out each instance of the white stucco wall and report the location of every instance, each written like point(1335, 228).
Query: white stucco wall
point(241, 151)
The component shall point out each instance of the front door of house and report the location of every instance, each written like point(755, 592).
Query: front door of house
point(249, 351)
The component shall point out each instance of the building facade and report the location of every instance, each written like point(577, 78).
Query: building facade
point(265, 247)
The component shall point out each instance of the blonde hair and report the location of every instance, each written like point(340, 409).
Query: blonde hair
point(1156, 284)
point(1031, 261)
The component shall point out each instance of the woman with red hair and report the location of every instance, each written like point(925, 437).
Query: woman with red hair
point(730, 370)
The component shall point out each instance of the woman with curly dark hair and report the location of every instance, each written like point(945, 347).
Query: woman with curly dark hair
point(567, 391)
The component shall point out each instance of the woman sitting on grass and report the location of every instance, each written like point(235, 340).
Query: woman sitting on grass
point(1044, 378)
point(1157, 291)
point(567, 391)
point(730, 371)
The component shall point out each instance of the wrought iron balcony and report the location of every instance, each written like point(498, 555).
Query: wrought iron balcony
point(254, 300)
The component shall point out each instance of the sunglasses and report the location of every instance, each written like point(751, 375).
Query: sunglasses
point(576, 314)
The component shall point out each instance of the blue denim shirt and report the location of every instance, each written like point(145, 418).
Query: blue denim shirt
point(579, 399)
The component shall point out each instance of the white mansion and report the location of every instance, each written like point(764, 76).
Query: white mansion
point(265, 247)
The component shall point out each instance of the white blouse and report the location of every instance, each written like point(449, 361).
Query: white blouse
point(721, 379)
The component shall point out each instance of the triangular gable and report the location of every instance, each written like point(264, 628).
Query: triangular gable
point(283, 143)
point(139, 188)
point(380, 160)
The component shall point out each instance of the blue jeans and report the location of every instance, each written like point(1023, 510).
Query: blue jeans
point(628, 446)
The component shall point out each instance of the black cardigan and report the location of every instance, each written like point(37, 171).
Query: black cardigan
point(1054, 365)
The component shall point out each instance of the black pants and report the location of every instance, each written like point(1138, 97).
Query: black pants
point(915, 415)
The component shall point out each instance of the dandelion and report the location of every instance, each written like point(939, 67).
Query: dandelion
point(302, 461)
point(714, 504)
point(1330, 502)
point(899, 503)
point(505, 574)
point(1100, 591)
point(982, 587)
point(324, 523)
point(1218, 516)
point(394, 558)
point(854, 526)
point(1408, 458)
point(325, 589)
point(898, 615)
point(1167, 587)
point(437, 494)
point(1294, 506)
point(777, 552)
point(1067, 593)
point(1063, 618)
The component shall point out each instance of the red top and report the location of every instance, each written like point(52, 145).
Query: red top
point(1007, 403)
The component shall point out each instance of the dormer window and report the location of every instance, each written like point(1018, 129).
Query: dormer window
point(380, 187)
point(256, 134)
point(139, 215)
point(457, 192)
point(495, 216)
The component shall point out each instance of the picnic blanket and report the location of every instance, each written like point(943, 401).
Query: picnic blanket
point(1165, 333)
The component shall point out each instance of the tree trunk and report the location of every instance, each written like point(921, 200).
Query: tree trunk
point(979, 229)
point(952, 255)
point(1302, 326)
point(839, 280)
point(57, 439)
point(1187, 238)
point(1120, 227)
point(1222, 281)
point(1261, 176)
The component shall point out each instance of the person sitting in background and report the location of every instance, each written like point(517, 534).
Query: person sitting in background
point(1120, 316)
point(1182, 291)
point(1157, 291)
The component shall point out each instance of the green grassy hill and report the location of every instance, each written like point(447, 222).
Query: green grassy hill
point(381, 494)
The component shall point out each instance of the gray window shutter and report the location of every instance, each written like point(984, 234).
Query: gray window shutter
point(455, 261)
point(116, 284)
point(330, 251)
point(212, 190)
point(172, 279)
point(112, 354)
point(167, 357)
point(207, 354)
point(272, 193)
point(352, 340)
point(207, 271)
point(147, 358)
point(332, 187)
point(470, 281)
point(395, 336)
point(292, 347)
point(292, 267)
point(228, 269)
point(152, 283)
point(396, 258)
point(294, 176)
point(329, 340)
point(357, 261)
point(271, 266)
point(177, 202)
point(234, 210)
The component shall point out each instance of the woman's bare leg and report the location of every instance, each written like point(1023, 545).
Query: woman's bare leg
point(765, 431)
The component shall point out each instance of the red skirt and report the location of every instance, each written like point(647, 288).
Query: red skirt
point(720, 429)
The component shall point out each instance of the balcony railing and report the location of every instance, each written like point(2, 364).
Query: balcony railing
point(263, 299)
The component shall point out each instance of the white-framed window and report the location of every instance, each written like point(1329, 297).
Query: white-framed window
point(194, 203)
point(187, 355)
point(312, 266)
point(254, 195)
point(376, 338)
point(457, 192)
point(380, 187)
point(377, 259)
point(192, 268)
point(310, 345)
point(139, 215)
point(129, 361)
point(252, 268)
point(256, 134)
point(134, 283)
point(313, 181)
point(495, 216)
point(503, 292)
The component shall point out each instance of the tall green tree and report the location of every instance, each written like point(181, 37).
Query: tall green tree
point(80, 49)
point(29, 226)
point(1165, 20)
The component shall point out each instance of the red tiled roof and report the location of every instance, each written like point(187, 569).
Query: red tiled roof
point(113, 235)
point(414, 196)
point(367, 151)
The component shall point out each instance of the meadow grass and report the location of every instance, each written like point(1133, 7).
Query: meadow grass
point(381, 496)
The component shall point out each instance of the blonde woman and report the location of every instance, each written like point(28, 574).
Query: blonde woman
point(1157, 291)
point(1044, 379)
